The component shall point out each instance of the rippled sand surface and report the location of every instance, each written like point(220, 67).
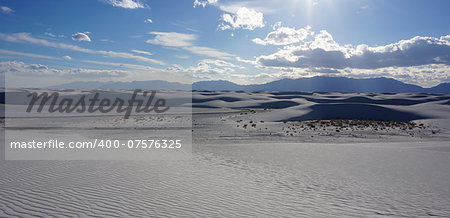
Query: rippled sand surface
point(263, 179)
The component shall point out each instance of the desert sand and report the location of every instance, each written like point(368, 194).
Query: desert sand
point(257, 154)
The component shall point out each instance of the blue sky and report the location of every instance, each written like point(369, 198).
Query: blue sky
point(45, 42)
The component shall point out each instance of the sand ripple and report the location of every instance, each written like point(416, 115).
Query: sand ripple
point(226, 181)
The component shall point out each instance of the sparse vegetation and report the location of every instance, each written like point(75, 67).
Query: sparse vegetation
point(355, 124)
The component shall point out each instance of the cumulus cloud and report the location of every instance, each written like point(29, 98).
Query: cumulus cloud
point(185, 41)
point(27, 38)
point(37, 67)
point(238, 14)
point(203, 68)
point(18, 68)
point(130, 4)
point(323, 51)
point(204, 2)
point(284, 36)
point(6, 10)
point(67, 57)
point(243, 18)
point(420, 60)
point(425, 76)
point(207, 69)
point(81, 37)
point(413, 52)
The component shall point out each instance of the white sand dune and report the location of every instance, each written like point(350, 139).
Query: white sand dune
point(269, 169)
point(328, 105)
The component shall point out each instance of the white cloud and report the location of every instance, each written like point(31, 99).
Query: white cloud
point(148, 20)
point(243, 18)
point(252, 62)
point(81, 37)
point(323, 51)
point(143, 72)
point(182, 56)
point(172, 39)
point(141, 52)
point(106, 40)
point(53, 35)
point(17, 68)
point(16, 53)
point(49, 34)
point(324, 40)
point(67, 57)
point(27, 38)
point(276, 25)
point(423, 61)
point(130, 56)
point(6, 10)
point(185, 41)
point(220, 63)
point(266, 7)
point(247, 14)
point(207, 69)
point(284, 36)
point(124, 65)
point(203, 3)
point(130, 4)
point(425, 76)
point(211, 52)
point(37, 67)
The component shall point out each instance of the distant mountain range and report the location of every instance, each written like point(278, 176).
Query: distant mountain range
point(313, 84)
point(152, 84)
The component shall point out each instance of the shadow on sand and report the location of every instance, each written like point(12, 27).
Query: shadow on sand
point(356, 111)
